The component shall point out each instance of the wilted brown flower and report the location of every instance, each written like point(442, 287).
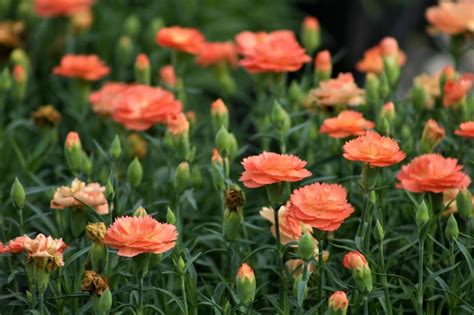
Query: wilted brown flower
point(95, 232)
point(46, 116)
point(138, 146)
point(234, 199)
point(10, 32)
point(94, 282)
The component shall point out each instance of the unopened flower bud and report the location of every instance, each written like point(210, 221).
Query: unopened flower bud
point(19, 78)
point(388, 111)
point(124, 50)
point(280, 118)
point(432, 136)
point(140, 212)
point(379, 232)
point(422, 215)
point(311, 34)
point(115, 149)
point(109, 189)
point(338, 304)
point(142, 69)
point(418, 96)
point(104, 303)
point(226, 143)
point(170, 217)
point(132, 25)
point(300, 287)
point(19, 57)
point(246, 284)
point(306, 246)
point(296, 94)
point(219, 114)
point(464, 204)
point(452, 230)
point(323, 65)
point(326, 255)
point(181, 265)
point(86, 163)
point(182, 177)
point(372, 87)
point(135, 173)
point(17, 194)
point(360, 270)
point(5, 81)
point(384, 86)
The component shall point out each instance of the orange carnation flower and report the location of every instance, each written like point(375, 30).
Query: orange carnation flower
point(136, 235)
point(269, 168)
point(372, 62)
point(52, 8)
point(86, 67)
point(373, 149)
point(79, 194)
point(347, 123)
point(322, 61)
point(215, 53)
point(432, 173)
point(323, 206)
point(140, 107)
point(16, 245)
point(452, 17)
point(45, 247)
point(290, 228)
point(455, 91)
point(275, 52)
point(354, 260)
point(466, 129)
point(167, 76)
point(103, 100)
point(246, 41)
point(184, 39)
point(178, 124)
point(339, 91)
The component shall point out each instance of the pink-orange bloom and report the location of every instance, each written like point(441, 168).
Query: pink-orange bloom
point(347, 123)
point(3, 248)
point(218, 107)
point(80, 194)
point(52, 8)
point(373, 149)
point(246, 41)
point(273, 52)
point(466, 129)
point(323, 206)
point(72, 140)
point(432, 132)
point(178, 124)
point(432, 173)
point(354, 260)
point(16, 244)
point(103, 100)
point(290, 228)
point(388, 110)
point(140, 107)
point(45, 247)
point(455, 91)
point(245, 271)
point(372, 62)
point(452, 17)
point(322, 61)
point(167, 76)
point(216, 157)
point(339, 91)
point(338, 301)
point(136, 235)
point(184, 39)
point(217, 53)
point(269, 168)
point(310, 22)
point(85, 67)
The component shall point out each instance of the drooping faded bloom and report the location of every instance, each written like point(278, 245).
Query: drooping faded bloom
point(452, 17)
point(337, 92)
point(137, 235)
point(373, 149)
point(85, 67)
point(323, 206)
point(269, 168)
point(347, 123)
point(45, 247)
point(432, 173)
point(103, 100)
point(183, 39)
point(80, 194)
point(466, 129)
point(213, 53)
point(53, 8)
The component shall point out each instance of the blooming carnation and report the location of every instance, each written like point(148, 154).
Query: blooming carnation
point(52, 8)
point(103, 100)
point(452, 17)
point(347, 123)
point(86, 67)
point(184, 39)
point(217, 52)
point(466, 129)
point(339, 91)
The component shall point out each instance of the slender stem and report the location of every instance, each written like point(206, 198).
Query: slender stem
point(320, 268)
point(366, 306)
point(140, 296)
point(22, 224)
point(421, 249)
point(388, 304)
point(183, 292)
point(283, 293)
point(41, 301)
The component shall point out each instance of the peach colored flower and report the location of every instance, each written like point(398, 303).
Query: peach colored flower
point(310, 22)
point(433, 132)
point(323, 62)
point(290, 228)
point(372, 62)
point(455, 91)
point(167, 75)
point(178, 124)
point(86, 67)
point(431, 87)
point(245, 271)
point(373, 149)
point(142, 62)
point(72, 140)
point(16, 244)
point(136, 235)
point(80, 193)
point(432, 173)
point(52, 8)
point(347, 123)
point(45, 247)
point(140, 107)
point(217, 53)
point(184, 39)
point(276, 52)
point(246, 41)
point(218, 107)
point(339, 91)
point(466, 129)
point(338, 301)
point(103, 100)
point(354, 260)
point(216, 157)
point(452, 17)
point(323, 206)
point(269, 168)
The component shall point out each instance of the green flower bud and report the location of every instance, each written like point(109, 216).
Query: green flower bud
point(17, 194)
point(182, 177)
point(232, 224)
point(98, 255)
point(372, 87)
point(226, 143)
point(379, 232)
point(452, 230)
point(109, 190)
point(19, 56)
point(181, 266)
point(280, 118)
point(140, 212)
point(422, 215)
point(86, 163)
point(5, 81)
point(311, 34)
point(103, 303)
point(464, 204)
point(124, 50)
point(170, 217)
point(115, 149)
point(384, 87)
point(300, 288)
point(296, 94)
point(135, 173)
point(132, 25)
point(391, 70)
point(418, 96)
point(219, 114)
point(306, 246)
point(142, 69)
point(246, 284)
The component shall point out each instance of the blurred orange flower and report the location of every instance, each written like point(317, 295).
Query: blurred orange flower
point(167, 75)
point(347, 123)
point(323, 206)
point(455, 91)
point(466, 129)
point(354, 260)
point(177, 124)
point(431, 87)
point(140, 107)
point(433, 132)
point(136, 235)
point(86, 67)
point(273, 52)
point(432, 173)
point(52, 8)
point(218, 107)
point(310, 22)
point(184, 39)
point(269, 168)
point(338, 301)
point(72, 140)
point(217, 52)
point(80, 193)
point(16, 244)
point(452, 17)
point(373, 57)
point(339, 91)
point(373, 149)
point(322, 61)
point(290, 228)
point(103, 100)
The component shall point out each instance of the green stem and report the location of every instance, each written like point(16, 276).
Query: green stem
point(388, 304)
point(41, 301)
point(22, 224)
point(183, 292)
point(421, 250)
point(140, 296)
point(320, 268)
